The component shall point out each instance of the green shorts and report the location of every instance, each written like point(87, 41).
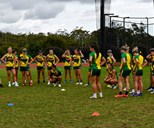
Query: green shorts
point(152, 72)
point(96, 72)
point(24, 69)
point(139, 73)
point(76, 68)
point(9, 68)
point(89, 70)
point(40, 68)
point(125, 73)
point(49, 68)
point(67, 67)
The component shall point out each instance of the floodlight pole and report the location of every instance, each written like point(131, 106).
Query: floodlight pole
point(102, 28)
point(124, 18)
point(147, 25)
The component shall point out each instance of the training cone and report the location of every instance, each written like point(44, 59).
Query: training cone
point(95, 114)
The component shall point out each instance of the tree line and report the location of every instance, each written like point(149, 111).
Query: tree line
point(79, 38)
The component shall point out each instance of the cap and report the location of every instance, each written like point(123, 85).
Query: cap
point(40, 51)
point(135, 49)
point(109, 51)
point(123, 48)
point(24, 50)
point(152, 50)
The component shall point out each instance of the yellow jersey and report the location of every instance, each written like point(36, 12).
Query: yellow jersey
point(68, 60)
point(77, 60)
point(24, 60)
point(140, 62)
point(40, 61)
point(152, 66)
point(9, 60)
point(51, 59)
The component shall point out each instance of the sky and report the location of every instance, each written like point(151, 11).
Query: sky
point(24, 16)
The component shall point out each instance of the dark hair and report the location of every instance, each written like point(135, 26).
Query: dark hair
point(14, 51)
point(96, 49)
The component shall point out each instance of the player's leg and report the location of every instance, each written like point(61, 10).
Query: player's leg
point(94, 87)
point(14, 77)
point(29, 78)
point(70, 74)
point(77, 78)
point(99, 87)
point(9, 75)
point(80, 76)
point(43, 74)
point(140, 81)
point(120, 83)
point(38, 75)
point(66, 72)
point(49, 73)
point(23, 77)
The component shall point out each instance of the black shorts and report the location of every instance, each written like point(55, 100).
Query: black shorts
point(24, 68)
point(76, 68)
point(96, 72)
point(49, 68)
point(40, 68)
point(67, 67)
point(152, 72)
point(139, 73)
point(125, 73)
point(9, 68)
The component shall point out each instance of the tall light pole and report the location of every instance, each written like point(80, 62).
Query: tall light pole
point(111, 29)
point(102, 44)
point(147, 25)
point(124, 19)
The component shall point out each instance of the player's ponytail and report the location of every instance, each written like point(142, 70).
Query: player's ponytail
point(96, 50)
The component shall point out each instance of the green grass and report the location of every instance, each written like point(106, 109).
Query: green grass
point(43, 106)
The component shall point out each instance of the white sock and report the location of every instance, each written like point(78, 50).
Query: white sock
point(25, 81)
point(100, 94)
point(9, 82)
point(31, 81)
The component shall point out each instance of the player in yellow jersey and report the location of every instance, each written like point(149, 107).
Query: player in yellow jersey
point(140, 62)
point(10, 61)
point(110, 59)
point(40, 59)
point(125, 70)
point(77, 65)
point(51, 59)
point(16, 65)
point(151, 58)
point(24, 61)
point(111, 77)
point(95, 62)
point(67, 65)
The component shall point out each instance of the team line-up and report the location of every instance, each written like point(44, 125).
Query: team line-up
point(129, 63)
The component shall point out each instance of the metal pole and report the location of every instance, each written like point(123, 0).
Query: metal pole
point(147, 25)
point(102, 29)
point(123, 31)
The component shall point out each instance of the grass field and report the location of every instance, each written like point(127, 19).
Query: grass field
point(43, 106)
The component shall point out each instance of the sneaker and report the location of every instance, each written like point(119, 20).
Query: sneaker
point(100, 96)
point(93, 97)
point(150, 89)
point(54, 84)
point(124, 95)
point(59, 85)
point(16, 84)
point(118, 96)
point(13, 83)
point(132, 91)
point(9, 84)
point(115, 87)
point(77, 83)
point(70, 81)
point(86, 85)
point(140, 94)
point(48, 82)
point(152, 92)
point(81, 83)
point(124, 89)
point(111, 86)
point(134, 94)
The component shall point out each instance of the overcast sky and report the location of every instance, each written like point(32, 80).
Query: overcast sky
point(23, 16)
